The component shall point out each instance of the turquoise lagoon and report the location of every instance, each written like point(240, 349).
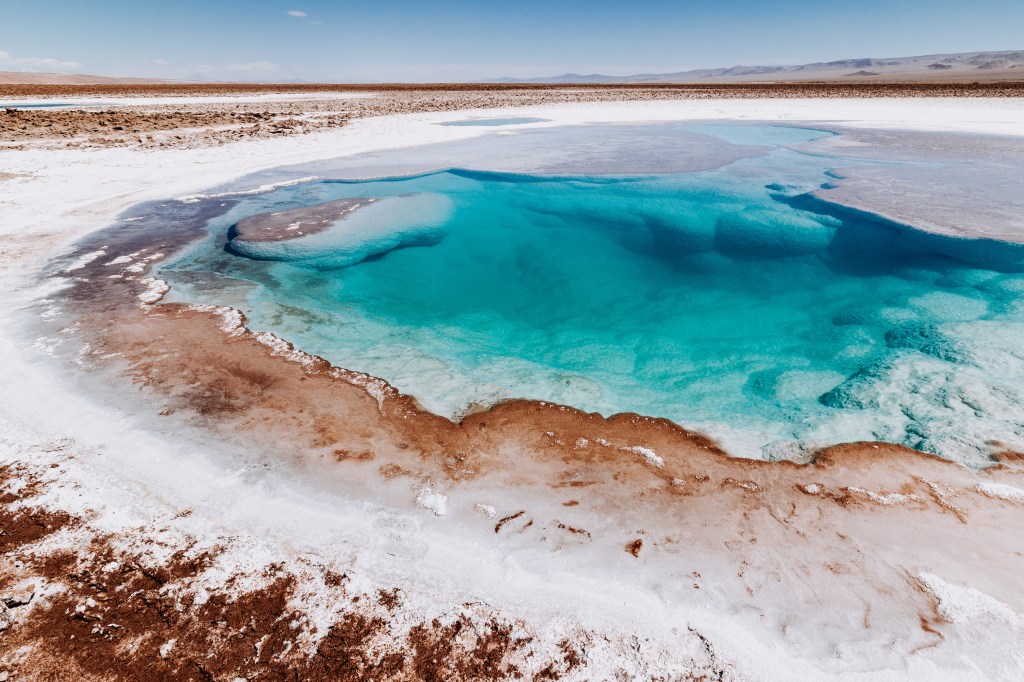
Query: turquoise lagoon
point(729, 300)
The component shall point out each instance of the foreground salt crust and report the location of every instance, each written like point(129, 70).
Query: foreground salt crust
point(275, 513)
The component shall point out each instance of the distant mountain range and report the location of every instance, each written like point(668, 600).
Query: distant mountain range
point(958, 66)
point(963, 66)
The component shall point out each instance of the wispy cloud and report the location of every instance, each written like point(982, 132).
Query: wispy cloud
point(9, 61)
point(297, 13)
point(161, 62)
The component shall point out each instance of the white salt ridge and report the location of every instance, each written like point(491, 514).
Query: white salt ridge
point(155, 290)
point(281, 348)
point(47, 344)
point(141, 265)
point(1002, 491)
point(166, 647)
point(84, 260)
point(233, 322)
point(261, 189)
point(959, 604)
point(486, 509)
point(378, 389)
point(430, 499)
point(884, 499)
point(649, 455)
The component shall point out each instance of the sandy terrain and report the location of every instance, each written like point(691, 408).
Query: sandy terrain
point(246, 510)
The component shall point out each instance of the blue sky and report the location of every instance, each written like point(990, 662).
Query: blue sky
point(450, 40)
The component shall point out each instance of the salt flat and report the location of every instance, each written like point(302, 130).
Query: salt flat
point(169, 491)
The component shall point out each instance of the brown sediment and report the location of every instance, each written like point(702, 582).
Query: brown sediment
point(294, 223)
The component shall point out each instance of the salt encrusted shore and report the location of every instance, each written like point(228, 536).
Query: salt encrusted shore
point(363, 545)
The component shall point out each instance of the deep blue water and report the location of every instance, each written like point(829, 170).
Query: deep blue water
point(728, 300)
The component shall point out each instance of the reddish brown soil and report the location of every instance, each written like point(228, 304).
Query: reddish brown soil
point(115, 615)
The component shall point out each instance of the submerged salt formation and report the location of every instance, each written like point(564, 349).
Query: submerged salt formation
point(342, 232)
point(292, 224)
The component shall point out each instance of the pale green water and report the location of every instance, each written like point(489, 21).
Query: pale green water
point(724, 300)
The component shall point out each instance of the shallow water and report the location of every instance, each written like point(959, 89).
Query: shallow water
point(38, 105)
point(495, 121)
point(728, 300)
